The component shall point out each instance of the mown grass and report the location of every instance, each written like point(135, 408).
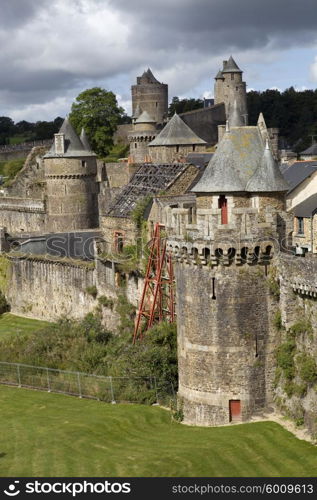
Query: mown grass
point(11, 324)
point(53, 435)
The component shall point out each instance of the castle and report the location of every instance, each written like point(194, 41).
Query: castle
point(239, 288)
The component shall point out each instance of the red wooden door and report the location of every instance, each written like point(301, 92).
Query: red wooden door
point(223, 205)
point(235, 409)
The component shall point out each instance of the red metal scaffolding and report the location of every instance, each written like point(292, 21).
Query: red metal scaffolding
point(158, 299)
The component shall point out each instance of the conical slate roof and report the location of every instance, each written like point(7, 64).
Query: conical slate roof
point(175, 133)
point(240, 164)
point(84, 140)
point(145, 118)
point(149, 77)
point(73, 145)
point(268, 176)
point(231, 66)
point(219, 75)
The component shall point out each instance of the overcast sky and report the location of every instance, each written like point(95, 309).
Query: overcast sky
point(53, 49)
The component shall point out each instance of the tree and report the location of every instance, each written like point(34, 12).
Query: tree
point(183, 105)
point(98, 112)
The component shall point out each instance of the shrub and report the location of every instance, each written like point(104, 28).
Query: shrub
point(106, 301)
point(300, 327)
point(307, 368)
point(285, 358)
point(277, 320)
point(92, 290)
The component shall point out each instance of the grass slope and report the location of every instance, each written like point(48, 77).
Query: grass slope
point(11, 324)
point(54, 435)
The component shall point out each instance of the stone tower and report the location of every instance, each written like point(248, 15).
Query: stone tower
point(229, 88)
point(150, 95)
point(70, 173)
point(143, 132)
point(222, 258)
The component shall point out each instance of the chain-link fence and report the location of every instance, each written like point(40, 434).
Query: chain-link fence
point(147, 390)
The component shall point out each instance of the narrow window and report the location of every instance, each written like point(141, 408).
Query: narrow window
point(213, 289)
point(194, 147)
point(223, 205)
point(232, 76)
point(177, 149)
point(300, 225)
point(83, 163)
point(135, 145)
point(156, 104)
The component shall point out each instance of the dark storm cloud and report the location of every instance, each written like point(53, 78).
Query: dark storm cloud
point(14, 13)
point(213, 25)
point(52, 48)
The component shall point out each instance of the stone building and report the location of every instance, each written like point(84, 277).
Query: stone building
point(150, 95)
point(229, 87)
point(175, 142)
point(70, 174)
point(222, 255)
point(143, 132)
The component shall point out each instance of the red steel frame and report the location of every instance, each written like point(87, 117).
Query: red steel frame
point(158, 299)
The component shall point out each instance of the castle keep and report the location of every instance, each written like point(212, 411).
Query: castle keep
point(239, 288)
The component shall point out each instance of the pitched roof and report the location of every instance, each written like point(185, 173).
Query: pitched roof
point(73, 145)
point(306, 207)
point(176, 132)
point(268, 176)
point(145, 118)
point(231, 66)
point(219, 75)
point(298, 172)
point(240, 156)
point(148, 77)
point(312, 150)
point(199, 159)
point(148, 179)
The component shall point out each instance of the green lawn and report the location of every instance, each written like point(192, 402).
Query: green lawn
point(11, 324)
point(54, 435)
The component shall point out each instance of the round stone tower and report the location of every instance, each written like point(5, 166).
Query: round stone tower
point(229, 88)
point(144, 131)
point(70, 173)
point(150, 95)
point(225, 309)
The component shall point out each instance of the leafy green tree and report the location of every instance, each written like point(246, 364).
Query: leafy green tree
point(98, 112)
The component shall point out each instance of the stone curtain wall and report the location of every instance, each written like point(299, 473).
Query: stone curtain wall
point(47, 290)
point(22, 215)
point(296, 396)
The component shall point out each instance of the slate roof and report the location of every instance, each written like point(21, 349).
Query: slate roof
point(145, 118)
point(73, 145)
point(307, 207)
point(240, 156)
point(148, 179)
point(148, 77)
point(312, 150)
point(199, 159)
point(298, 172)
point(176, 132)
point(219, 75)
point(231, 66)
